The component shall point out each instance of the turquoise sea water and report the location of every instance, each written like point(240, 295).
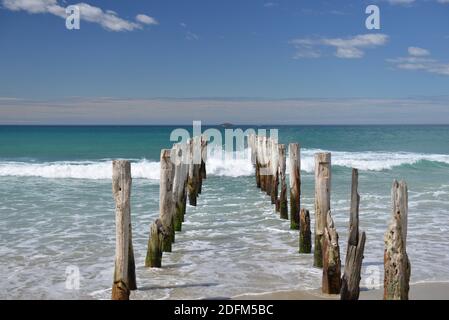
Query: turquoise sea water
point(57, 211)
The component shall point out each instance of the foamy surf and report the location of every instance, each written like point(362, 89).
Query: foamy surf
point(235, 165)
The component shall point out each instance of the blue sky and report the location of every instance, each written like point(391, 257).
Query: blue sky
point(229, 49)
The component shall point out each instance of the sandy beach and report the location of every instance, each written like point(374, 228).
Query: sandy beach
point(418, 291)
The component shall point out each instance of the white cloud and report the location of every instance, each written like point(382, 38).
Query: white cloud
point(418, 52)
point(420, 61)
point(401, 2)
point(270, 4)
point(443, 1)
point(108, 19)
point(192, 36)
point(347, 48)
point(143, 18)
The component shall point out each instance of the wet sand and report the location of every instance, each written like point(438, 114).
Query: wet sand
point(418, 291)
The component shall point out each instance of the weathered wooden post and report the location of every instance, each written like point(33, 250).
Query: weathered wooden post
point(322, 202)
point(263, 164)
point(331, 259)
point(177, 154)
point(155, 243)
point(203, 170)
point(396, 263)
point(192, 179)
point(124, 274)
point(295, 184)
point(274, 173)
point(350, 281)
point(269, 176)
point(305, 235)
point(166, 201)
point(258, 155)
point(283, 206)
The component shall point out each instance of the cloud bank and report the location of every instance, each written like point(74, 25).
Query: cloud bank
point(347, 48)
point(419, 59)
point(217, 111)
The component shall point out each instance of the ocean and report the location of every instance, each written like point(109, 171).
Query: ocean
point(57, 211)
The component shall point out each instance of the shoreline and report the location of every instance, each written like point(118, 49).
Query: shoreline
point(418, 291)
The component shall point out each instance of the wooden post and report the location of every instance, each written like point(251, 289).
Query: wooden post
point(274, 174)
point(258, 155)
point(350, 281)
point(269, 176)
point(263, 164)
point(191, 182)
point(331, 259)
point(283, 206)
point(155, 242)
point(295, 184)
point(203, 172)
point(124, 274)
point(177, 155)
point(305, 235)
point(396, 262)
point(166, 203)
point(322, 202)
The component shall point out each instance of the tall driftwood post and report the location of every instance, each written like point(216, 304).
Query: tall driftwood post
point(350, 281)
point(166, 203)
point(263, 164)
point(124, 274)
point(269, 176)
point(331, 258)
point(155, 242)
point(192, 182)
point(295, 184)
point(203, 171)
point(179, 183)
point(274, 173)
point(258, 144)
point(396, 263)
point(305, 235)
point(283, 206)
point(322, 202)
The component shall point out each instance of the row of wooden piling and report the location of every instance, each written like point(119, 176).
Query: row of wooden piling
point(182, 171)
point(269, 160)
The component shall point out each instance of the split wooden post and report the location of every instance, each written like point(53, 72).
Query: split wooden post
point(166, 203)
point(295, 184)
point(322, 202)
point(350, 282)
point(396, 262)
point(274, 174)
point(124, 274)
point(283, 206)
point(331, 258)
point(305, 235)
point(179, 183)
point(155, 243)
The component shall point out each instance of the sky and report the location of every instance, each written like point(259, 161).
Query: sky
point(254, 61)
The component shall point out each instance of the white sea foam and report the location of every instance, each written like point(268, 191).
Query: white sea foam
point(236, 165)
